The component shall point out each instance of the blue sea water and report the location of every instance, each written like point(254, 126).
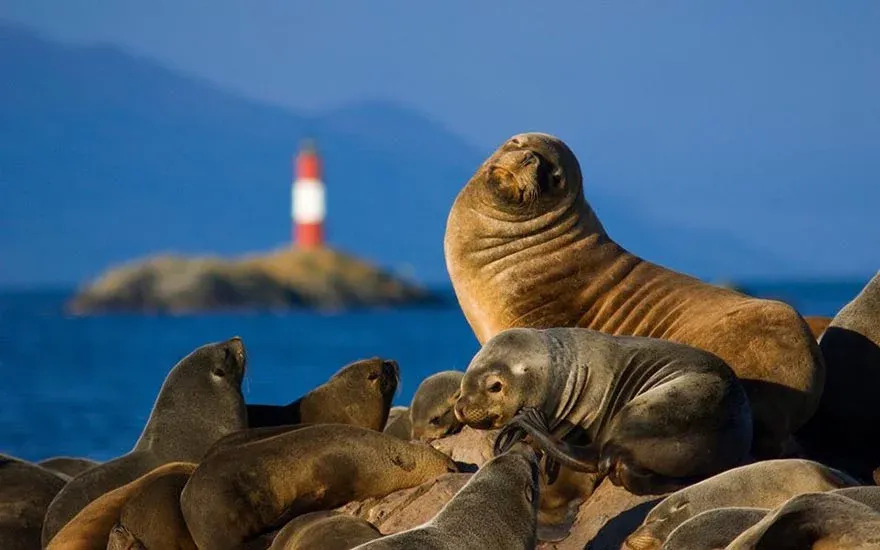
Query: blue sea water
point(84, 386)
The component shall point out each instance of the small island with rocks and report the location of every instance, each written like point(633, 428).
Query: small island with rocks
point(293, 278)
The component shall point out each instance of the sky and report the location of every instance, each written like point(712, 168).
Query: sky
point(491, 69)
point(694, 97)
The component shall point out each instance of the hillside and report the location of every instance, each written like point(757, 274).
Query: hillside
point(106, 157)
point(286, 279)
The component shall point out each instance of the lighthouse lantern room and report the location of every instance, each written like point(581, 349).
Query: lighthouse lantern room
point(308, 208)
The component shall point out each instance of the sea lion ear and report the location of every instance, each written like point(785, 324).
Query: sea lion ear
point(518, 369)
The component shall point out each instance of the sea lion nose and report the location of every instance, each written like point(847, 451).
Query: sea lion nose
point(460, 410)
point(235, 350)
point(390, 368)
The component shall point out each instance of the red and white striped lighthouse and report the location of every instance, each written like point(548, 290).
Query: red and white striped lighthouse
point(308, 208)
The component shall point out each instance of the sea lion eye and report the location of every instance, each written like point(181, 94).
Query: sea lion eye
point(218, 372)
point(373, 376)
point(495, 388)
point(435, 421)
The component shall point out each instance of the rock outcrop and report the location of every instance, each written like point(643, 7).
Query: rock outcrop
point(287, 279)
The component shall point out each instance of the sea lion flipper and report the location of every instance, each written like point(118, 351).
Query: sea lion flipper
point(507, 438)
point(580, 458)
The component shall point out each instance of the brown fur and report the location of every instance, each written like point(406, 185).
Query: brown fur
point(90, 528)
point(359, 394)
point(525, 249)
point(327, 530)
point(845, 431)
point(152, 516)
point(241, 492)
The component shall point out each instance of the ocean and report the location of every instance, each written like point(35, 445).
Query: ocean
point(84, 386)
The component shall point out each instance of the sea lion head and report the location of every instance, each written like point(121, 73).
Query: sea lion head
point(203, 394)
point(659, 523)
point(432, 410)
point(528, 175)
point(359, 394)
point(507, 374)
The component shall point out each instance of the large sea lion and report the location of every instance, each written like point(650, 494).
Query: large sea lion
point(524, 249)
point(652, 414)
point(91, 528)
point(713, 529)
point(845, 431)
point(67, 465)
point(25, 493)
point(821, 521)
point(152, 517)
point(327, 530)
point(359, 394)
point(766, 484)
point(432, 408)
point(495, 510)
point(241, 492)
point(200, 401)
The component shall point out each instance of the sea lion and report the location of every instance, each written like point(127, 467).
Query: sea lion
point(200, 401)
point(431, 411)
point(845, 432)
point(713, 529)
point(867, 495)
point(524, 249)
point(91, 528)
point(262, 484)
point(67, 465)
point(399, 423)
point(814, 520)
point(817, 325)
point(766, 484)
point(651, 414)
point(152, 517)
point(327, 530)
point(25, 493)
point(495, 510)
point(359, 394)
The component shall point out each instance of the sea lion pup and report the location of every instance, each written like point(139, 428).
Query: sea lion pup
point(327, 530)
point(262, 484)
point(399, 423)
point(765, 484)
point(814, 520)
point(152, 517)
point(652, 414)
point(496, 510)
point(91, 528)
point(713, 528)
point(25, 493)
point(432, 410)
point(200, 401)
point(845, 432)
point(359, 394)
point(67, 465)
point(524, 249)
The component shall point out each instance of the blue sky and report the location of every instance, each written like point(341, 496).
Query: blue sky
point(753, 113)
point(710, 72)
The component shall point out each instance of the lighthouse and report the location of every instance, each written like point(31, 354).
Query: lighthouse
point(308, 208)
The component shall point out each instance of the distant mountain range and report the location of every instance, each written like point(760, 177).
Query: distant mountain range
point(106, 157)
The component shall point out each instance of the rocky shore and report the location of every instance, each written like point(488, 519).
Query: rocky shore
point(323, 279)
